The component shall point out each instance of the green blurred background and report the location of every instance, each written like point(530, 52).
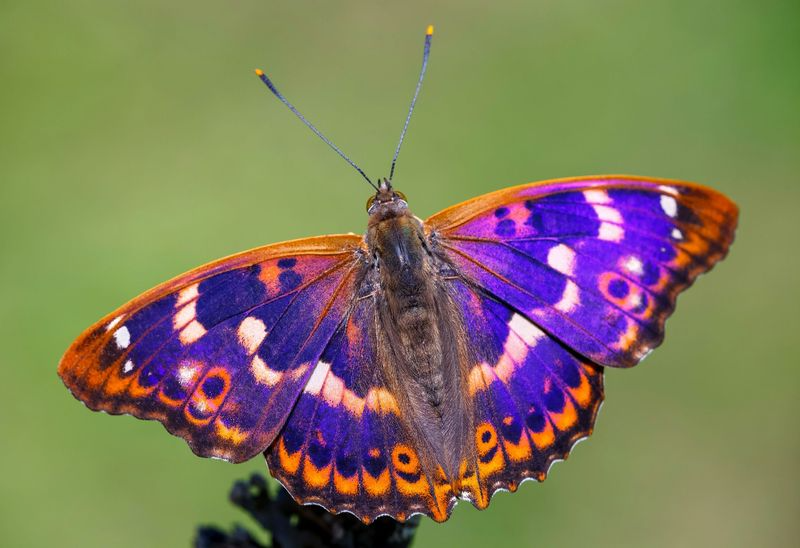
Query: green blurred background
point(136, 143)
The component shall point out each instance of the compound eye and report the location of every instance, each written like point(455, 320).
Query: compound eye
point(370, 201)
point(400, 195)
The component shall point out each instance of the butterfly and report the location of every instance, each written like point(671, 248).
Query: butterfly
point(423, 363)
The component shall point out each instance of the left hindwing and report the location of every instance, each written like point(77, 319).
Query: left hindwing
point(596, 262)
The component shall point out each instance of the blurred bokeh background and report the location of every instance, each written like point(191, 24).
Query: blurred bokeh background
point(136, 143)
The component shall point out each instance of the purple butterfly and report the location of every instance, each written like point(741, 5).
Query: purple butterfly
point(426, 362)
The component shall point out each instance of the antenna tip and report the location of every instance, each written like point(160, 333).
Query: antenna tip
point(429, 31)
point(259, 73)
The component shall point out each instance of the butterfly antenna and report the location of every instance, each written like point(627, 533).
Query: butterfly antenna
point(425, 54)
point(279, 95)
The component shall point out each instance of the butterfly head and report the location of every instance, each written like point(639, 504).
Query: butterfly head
point(387, 202)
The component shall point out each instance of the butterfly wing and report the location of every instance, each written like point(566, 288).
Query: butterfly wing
point(533, 398)
point(346, 445)
point(220, 354)
point(554, 281)
point(595, 262)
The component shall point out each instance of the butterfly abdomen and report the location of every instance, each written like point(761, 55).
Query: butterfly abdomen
point(418, 324)
point(407, 311)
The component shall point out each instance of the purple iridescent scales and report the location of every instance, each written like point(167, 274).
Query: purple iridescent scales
point(276, 349)
point(596, 263)
point(533, 397)
point(347, 445)
point(220, 354)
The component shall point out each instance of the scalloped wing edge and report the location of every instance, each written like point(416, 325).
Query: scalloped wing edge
point(317, 245)
point(498, 487)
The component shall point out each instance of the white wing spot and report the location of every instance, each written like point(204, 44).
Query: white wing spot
point(128, 367)
point(562, 259)
point(186, 374)
point(333, 390)
point(522, 337)
point(314, 384)
point(187, 294)
point(192, 332)
point(263, 374)
point(668, 190)
point(122, 337)
point(634, 265)
point(611, 232)
point(596, 196)
point(185, 315)
point(570, 299)
point(112, 323)
point(669, 205)
point(252, 332)
point(677, 234)
point(605, 213)
point(525, 329)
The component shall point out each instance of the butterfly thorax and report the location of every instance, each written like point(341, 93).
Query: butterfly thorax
point(423, 356)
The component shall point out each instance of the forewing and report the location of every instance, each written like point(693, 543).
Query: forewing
point(597, 262)
point(220, 354)
point(347, 446)
point(533, 398)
